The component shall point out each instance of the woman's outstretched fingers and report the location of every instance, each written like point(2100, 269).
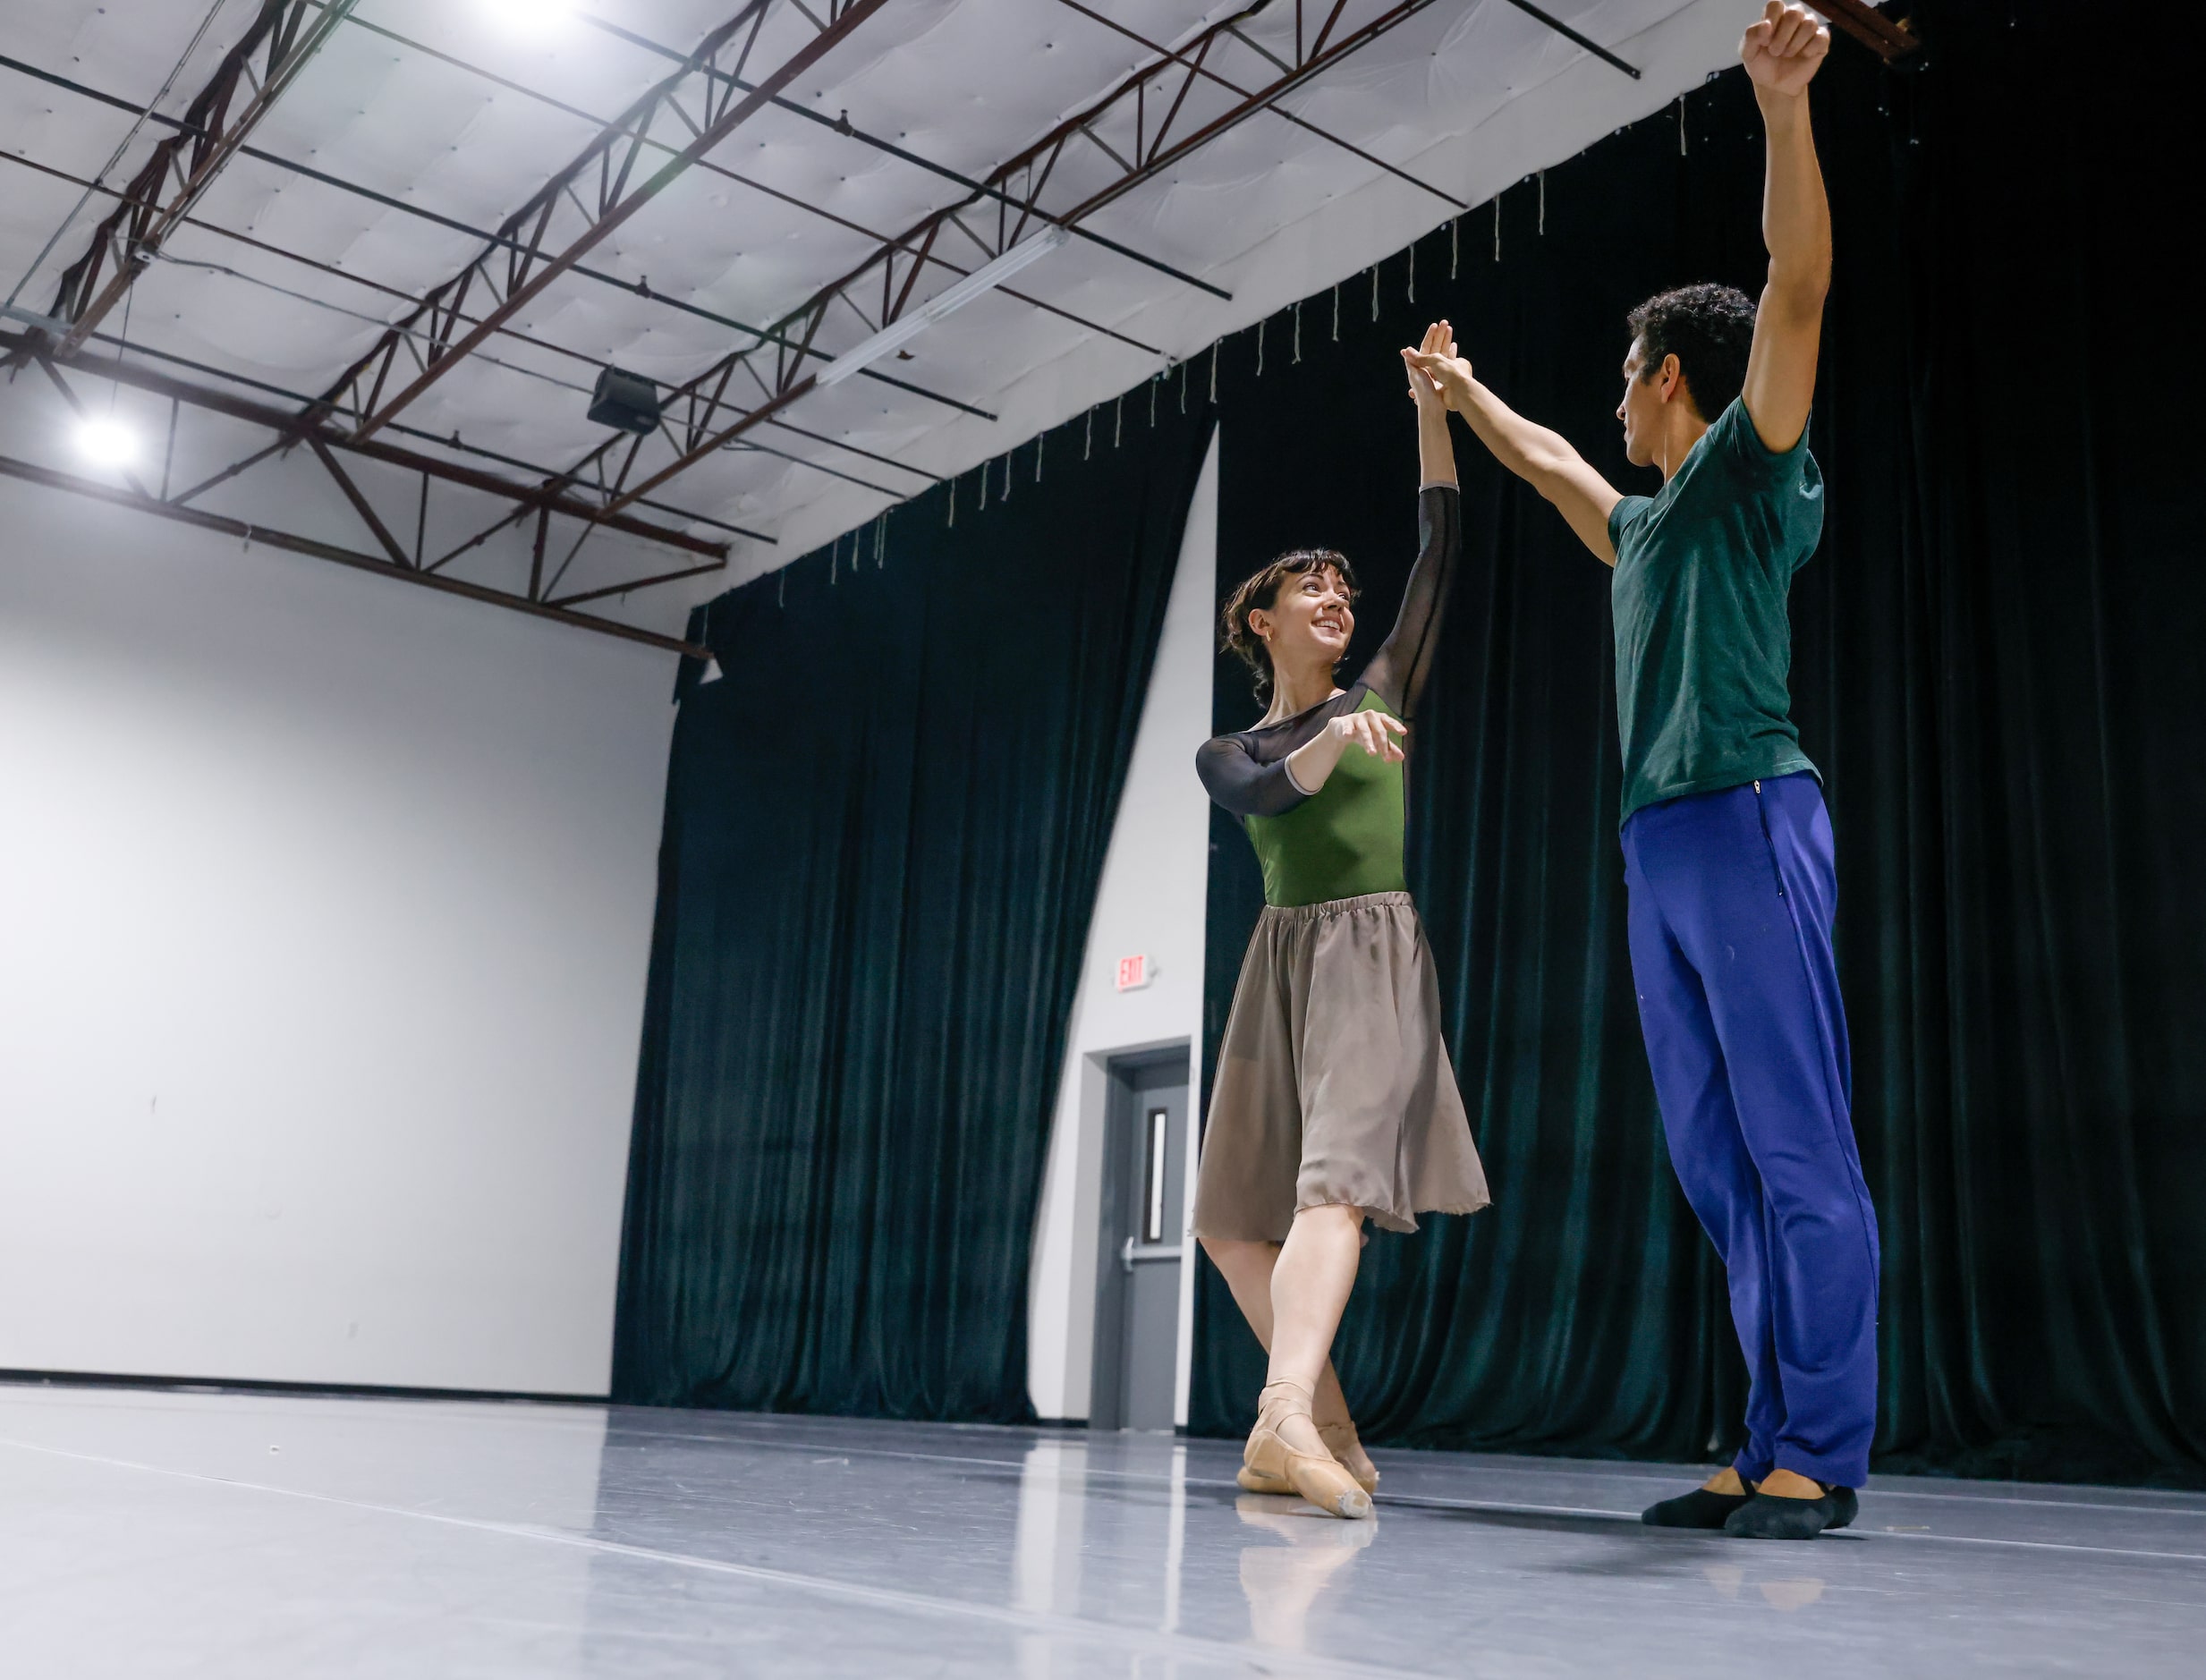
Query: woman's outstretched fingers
point(1375, 731)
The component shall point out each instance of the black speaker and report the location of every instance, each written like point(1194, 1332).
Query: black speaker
point(627, 401)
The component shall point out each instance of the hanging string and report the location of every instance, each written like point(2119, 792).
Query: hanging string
point(1337, 311)
point(1680, 125)
point(1154, 379)
point(985, 465)
point(1298, 329)
point(1412, 272)
point(953, 503)
point(1183, 388)
point(781, 589)
point(1087, 447)
point(1260, 350)
point(1497, 227)
point(1374, 291)
point(1040, 443)
point(1008, 455)
point(880, 542)
point(835, 554)
point(1214, 373)
point(1118, 419)
point(1452, 229)
point(1543, 203)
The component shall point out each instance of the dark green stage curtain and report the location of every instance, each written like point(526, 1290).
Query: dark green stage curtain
point(1997, 665)
point(884, 827)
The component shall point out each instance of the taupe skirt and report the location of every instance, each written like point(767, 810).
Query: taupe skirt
point(1332, 1083)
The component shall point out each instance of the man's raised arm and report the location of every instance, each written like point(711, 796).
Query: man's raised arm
point(1542, 458)
point(1782, 54)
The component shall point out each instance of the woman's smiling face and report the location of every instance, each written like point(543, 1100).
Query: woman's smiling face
point(1311, 620)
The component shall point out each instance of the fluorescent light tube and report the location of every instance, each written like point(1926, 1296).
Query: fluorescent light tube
point(902, 331)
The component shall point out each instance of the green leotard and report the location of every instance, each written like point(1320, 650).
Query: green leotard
point(1345, 840)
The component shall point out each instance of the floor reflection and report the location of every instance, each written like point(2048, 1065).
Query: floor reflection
point(1285, 1576)
point(1784, 1592)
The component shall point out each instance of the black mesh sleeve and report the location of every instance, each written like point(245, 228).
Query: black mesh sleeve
point(1236, 780)
point(1397, 671)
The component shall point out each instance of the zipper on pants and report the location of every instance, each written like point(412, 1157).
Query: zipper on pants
point(1764, 810)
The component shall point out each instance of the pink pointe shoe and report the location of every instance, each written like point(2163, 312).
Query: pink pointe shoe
point(1269, 1464)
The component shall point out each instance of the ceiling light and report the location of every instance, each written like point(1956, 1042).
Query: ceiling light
point(902, 331)
point(106, 442)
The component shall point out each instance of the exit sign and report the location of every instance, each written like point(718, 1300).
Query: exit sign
point(1135, 972)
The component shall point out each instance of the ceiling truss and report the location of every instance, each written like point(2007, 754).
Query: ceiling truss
point(1154, 118)
point(386, 503)
point(283, 37)
point(558, 228)
point(1178, 101)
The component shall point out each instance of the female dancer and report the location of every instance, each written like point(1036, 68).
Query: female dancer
point(1334, 1101)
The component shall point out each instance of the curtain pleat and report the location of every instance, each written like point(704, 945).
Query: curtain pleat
point(885, 827)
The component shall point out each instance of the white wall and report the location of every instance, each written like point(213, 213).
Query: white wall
point(1150, 901)
point(325, 906)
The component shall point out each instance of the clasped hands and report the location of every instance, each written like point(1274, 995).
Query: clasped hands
point(1438, 378)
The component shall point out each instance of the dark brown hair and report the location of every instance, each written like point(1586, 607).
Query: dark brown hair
point(1260, 593)
point(1709, 329)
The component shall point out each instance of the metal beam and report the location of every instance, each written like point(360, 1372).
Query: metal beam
point(518, 279)
point(845, 127)
point(1567, 33)
point(384, 200)
point(522, 336)
point(289, 434)
point(1890, 41)
point(1208, 74)
point(186, 164)
point(795, 201)
point(363, 508)
point(1154, 150)
point(880, 289)
point(32, 473)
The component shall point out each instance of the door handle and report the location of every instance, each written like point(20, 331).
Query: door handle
point(1135, 1253)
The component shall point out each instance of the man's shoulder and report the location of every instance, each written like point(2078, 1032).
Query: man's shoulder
point(1734, 440)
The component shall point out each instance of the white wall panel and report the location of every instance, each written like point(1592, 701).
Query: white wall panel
point(325, 906)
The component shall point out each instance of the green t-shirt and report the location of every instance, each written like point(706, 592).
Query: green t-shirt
point(1704, 647)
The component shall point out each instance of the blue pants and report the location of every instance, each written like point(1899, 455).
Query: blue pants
point(1733, 895)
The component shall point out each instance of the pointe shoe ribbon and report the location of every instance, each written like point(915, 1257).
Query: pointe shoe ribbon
point(1269, 1457)
point(1340, 1440)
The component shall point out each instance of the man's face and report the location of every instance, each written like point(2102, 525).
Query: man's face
point(1642, 407)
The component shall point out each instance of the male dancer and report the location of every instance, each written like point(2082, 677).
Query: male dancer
point(1727, 849)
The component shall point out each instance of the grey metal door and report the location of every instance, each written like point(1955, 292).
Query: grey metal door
point(1138, 1271)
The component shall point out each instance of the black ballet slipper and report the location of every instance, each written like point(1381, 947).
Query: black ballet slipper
point(1701, 1508)
point(1769, 1517)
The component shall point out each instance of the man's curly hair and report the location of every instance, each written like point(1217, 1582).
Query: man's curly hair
point(1709, 329)
point(1260, 593)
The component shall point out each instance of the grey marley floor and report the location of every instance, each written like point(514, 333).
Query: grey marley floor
point(157, 1534)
